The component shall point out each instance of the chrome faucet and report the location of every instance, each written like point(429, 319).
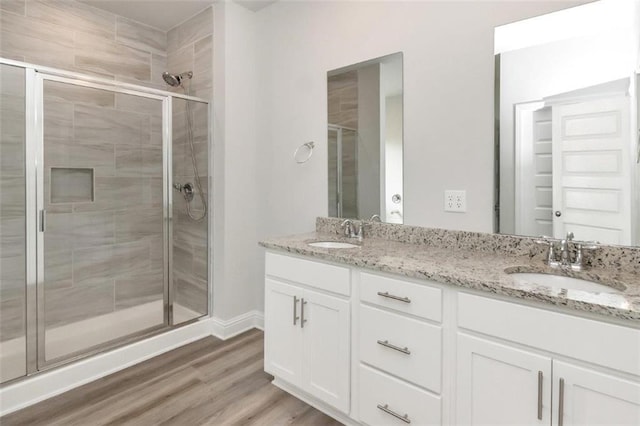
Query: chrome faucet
point(347, 227)
point(350, 229)
point(375, 218)
point(565, 254)
point(564, 247)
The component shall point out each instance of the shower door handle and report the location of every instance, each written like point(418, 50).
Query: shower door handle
point(43, 220)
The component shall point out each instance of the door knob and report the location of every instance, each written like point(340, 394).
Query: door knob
point(558, 213)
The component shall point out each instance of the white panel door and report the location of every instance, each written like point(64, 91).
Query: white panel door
point(325, 330)
point(591, 170)
point(282, 332)
point(593, 398)
point(533, 170)
point(501, 385)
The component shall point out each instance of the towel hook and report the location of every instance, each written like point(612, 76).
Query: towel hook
point(309, 146)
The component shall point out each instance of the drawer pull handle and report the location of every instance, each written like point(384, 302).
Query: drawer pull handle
point(387, 410)
point(386, 343)
point(539, 395)
point(391, 296)
point(295, 309)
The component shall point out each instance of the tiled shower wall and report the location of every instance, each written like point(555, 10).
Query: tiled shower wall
point(12, 203)
point(105, 254)
point(73, 36)
point(190, 49)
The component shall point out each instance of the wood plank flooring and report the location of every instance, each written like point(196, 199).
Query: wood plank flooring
point(208, 382)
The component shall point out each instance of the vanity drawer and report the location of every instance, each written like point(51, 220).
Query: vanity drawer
point(597, 342)
point(378, 390)
point(385, 338)
point(323, 276)
point(416, 299)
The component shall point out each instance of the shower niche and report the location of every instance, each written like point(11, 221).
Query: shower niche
point(105, 252)
point(71, 185)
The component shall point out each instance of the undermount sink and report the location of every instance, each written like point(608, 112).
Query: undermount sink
point(332, 244)
point(561, 282)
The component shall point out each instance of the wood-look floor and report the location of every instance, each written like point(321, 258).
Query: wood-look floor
point(208, 382)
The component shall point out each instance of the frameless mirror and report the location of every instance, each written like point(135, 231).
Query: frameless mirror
point(364, 136)
point(567, 95)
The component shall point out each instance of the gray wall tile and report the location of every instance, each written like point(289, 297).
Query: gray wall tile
point(64, 306)
point(135, 289)
point(140, 36)
point(99, 125)
point(76, 15)
point(14, 6)
point(192, 30)
point(12, 318)
point(112, 58)
point(67, 153)
point(56, 91)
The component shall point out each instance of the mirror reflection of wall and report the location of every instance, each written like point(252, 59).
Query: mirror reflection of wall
point(568, 133)
point(364, 139)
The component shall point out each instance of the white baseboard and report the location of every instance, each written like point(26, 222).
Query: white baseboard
point(225, 329)
point(45, 385)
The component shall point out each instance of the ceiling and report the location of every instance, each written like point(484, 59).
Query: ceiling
point(165, 14)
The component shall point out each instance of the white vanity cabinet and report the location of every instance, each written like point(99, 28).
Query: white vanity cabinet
point(376, 349)
point(307, 327)
point(502, 383)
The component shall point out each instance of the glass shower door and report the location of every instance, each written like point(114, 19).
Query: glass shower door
point(101, 191)
point(13, 284)
point(189, 230)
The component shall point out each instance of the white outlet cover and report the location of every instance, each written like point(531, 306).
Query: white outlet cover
point(455, 201)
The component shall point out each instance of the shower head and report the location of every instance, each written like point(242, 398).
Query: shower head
point(175, 80)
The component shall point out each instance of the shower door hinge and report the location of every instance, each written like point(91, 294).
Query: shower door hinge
point(43, 220)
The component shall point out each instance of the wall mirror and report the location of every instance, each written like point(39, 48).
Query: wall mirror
point(364, 136)
point(567, 109)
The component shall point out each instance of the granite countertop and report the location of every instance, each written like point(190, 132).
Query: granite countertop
point(476, 270)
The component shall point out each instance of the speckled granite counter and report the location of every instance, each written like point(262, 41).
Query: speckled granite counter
point(477, 267)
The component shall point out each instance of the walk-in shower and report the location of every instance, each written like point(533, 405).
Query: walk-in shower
point(94, 253)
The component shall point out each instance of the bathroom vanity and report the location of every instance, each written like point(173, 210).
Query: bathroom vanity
point(409, 327)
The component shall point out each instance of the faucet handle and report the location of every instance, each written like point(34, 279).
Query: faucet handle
point(546, 240)
point(578, 265)
point(570, 236)
point(588, 245)
point(347, 225)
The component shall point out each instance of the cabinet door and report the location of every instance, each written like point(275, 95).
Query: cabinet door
point(501, 385)
point(593, 398)
point(326, 348)
point(282, 332)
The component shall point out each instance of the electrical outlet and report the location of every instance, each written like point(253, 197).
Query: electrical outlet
point(455, 201)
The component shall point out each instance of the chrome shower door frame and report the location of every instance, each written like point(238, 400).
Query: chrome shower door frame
point(37, 215)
